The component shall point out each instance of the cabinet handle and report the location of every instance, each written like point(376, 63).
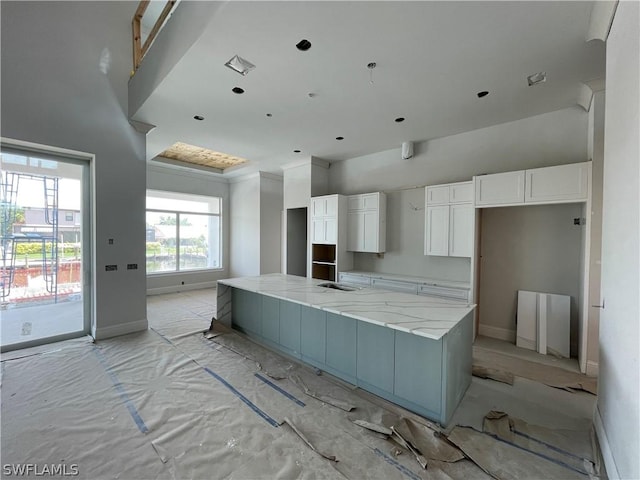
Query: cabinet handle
point(599, 306)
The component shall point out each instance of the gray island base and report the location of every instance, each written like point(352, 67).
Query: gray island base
point(411, 350)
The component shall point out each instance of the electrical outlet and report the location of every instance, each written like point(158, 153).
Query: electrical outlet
point(111, 268)
point(132, 266)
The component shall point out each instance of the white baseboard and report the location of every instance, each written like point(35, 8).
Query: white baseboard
point(605, 448)
point(181, 288)
point(497, 332)
point(593, 368)
point(120, 329)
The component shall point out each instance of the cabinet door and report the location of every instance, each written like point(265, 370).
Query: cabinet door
point(375, 354)
point(330, 230)
point(370, 232)
point(318, 207)
point(461, 230)
point(290, 327)
point(370, 201)
point(418, 370)
point(331, 206)
point(355, 202)
point(313, 333)
point(500, 188)
point(341, 345)
point(355, 231)
point(461, 192)
point(562, 183)
point(271, 318)
point(437, 195)
point(246, 310)
point(317, 230)
point(437, 231)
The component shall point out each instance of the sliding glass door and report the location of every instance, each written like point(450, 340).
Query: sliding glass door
point(44, 247)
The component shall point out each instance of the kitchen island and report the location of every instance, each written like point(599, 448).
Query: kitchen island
point(412, 350)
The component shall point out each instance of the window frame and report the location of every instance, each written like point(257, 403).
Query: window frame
point(177, 213)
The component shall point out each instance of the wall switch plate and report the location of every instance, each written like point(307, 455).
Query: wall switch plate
point(111, 268)
point(132, 266)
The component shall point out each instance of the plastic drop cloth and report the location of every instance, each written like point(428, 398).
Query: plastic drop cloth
point(170, 404)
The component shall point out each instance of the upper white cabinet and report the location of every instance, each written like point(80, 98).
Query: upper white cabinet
point(500, 188)
point(367, 222)
point(558, 184)
point(461, 192)
point(449, 220)
point(561, 183)
point(328, 239)
point(324, 219)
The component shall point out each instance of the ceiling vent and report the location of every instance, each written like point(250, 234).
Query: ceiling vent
point(537, 78)
point(240, 65)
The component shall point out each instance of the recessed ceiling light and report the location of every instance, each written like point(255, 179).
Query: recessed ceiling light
point(400, 119)
point(537, 78)
point(484, 93)
point(303, 45)
point(240, 65)
point(339, 138)
point(237, 90)
point(198, 117)
point(296, 151)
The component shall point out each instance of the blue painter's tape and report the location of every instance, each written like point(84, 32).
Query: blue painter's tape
point(162, 336)
point(122, 392)
point(537, 454)
point(402, 468)
point(283, 392)
point(248, 402)
point(549, 446)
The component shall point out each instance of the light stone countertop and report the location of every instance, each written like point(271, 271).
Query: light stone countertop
point(427, 316)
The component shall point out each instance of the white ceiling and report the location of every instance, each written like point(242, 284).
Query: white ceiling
point(432, 59)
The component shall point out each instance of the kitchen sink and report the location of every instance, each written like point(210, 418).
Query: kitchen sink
point(337, 286)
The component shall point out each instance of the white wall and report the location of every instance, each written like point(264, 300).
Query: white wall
point(245, 226)
point(551, 139)
point(188, 181)
point(596, 128)
point(270, 223)
point(256, 229)
point(618, 416)
point(534, 248)
point(297, 185)
point(54, 93)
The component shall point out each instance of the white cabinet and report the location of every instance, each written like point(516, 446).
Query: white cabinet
point(437, 195)
point(558, 184)
point(449, 226)
point(561, 183)
point(500, 188)
point(461, 230)
point(366, 222)
point(437, 231)
point(328, 238)
point(461, 192)
point(324, 219)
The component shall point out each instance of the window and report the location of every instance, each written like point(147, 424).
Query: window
point(183, 232)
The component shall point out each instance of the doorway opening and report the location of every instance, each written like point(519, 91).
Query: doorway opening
point(44, 247)
point(297, 241)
